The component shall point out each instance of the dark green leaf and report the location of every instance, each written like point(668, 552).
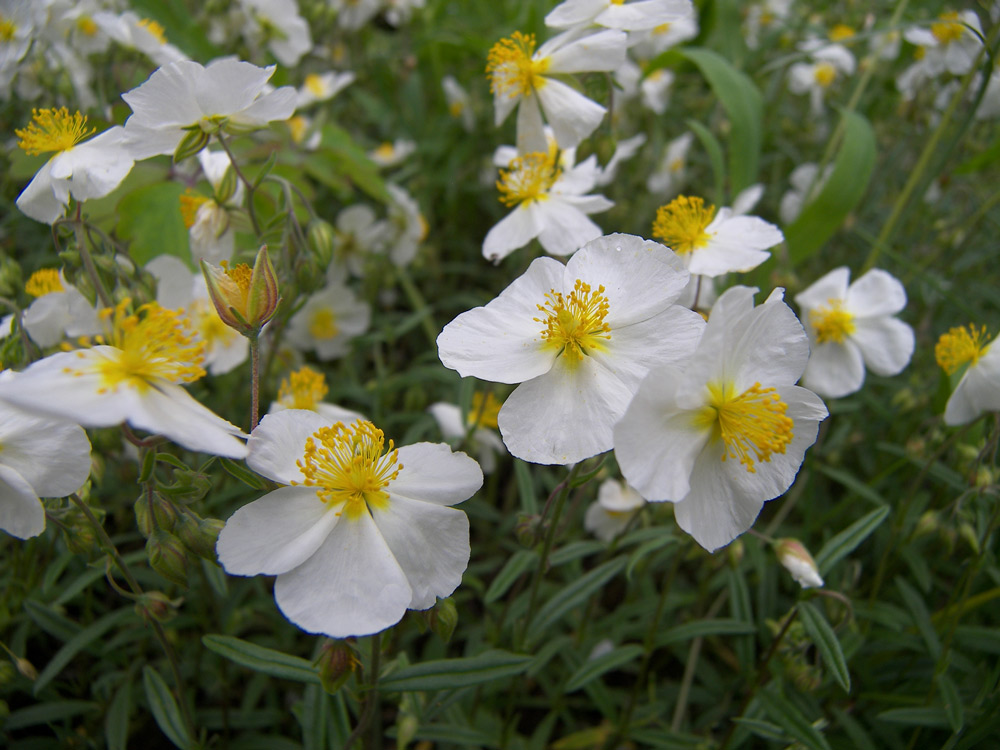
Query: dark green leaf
point(80, 641)
point(594, 668)
point(165, 709)
point(951, 701)
point(262, 659)
point(917, 716)
point(844, 543)
point(789, 718)
point(704, 628)
point(572, 596)
point(520, 561)
point(826, 642)
point(447, 674)
point(116, 721)
point(243, 474)
point(921, 617)
point(46, 713)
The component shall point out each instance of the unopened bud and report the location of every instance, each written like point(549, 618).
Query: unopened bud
point(928, 524)
point(11, 278)
point(199, 534)
point(154, 605)
point(245, 298)
point(529, 529)
point(152, 513)
point(79, 531)
point(337, 662)
point(796, 560)
point(194, 141)
point(26, 668)
point(167, 556)
point(226, 188)
point(319, 235)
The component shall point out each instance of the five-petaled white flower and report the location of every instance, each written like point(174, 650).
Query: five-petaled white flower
point(978, 389)
point(362, 531)
point(618, 14)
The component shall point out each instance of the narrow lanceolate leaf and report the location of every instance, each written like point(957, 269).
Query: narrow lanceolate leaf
point(573, 595)
point(921, 617)
point(165, 709)
point(822, 635)
point(261, 659)
point(714, 150)
point(46, 713)
point(445, 674)
point(703, 628)
point(951, 701)
point(916, 716)
point(789, 718)
point(852, 169)
point(844, 543)
point(594, 668)
point(521, 561)
point(80, 641)
point(116, 720)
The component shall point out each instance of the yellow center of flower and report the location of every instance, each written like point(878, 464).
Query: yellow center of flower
point(190, 203)
point(512, 70)
point(242, 274)
point(44, 281)
point(824, 74)
point(213, 331)
point(528, 178)
point(385, 151)
point(52, 130)
point(676, 165)
point(154, 344)
point(663, 28)
point(350, 467)
point(7, 29)
point(832, 323)
point(752, 424)
point(298, 126)
point(961, 345)
point(681, 224)
point(303, 389)
point(948, 29)
point(456, 108)
point(574, 323)
point(315, 85)
point(485, 409)
point(840, 32)
point(86, 25)
point(153, 28)
point(323, 324)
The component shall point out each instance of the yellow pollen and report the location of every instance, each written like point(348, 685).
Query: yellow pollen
point(484, 411)
point(153, 344)
point(767, 18)
point(832, 323)
point(528, 178)
point(7, 29)
point(961, 345)
point(242, 274)
point(385, 151)
point(190, 203)
point(315, 85)
point(676, 165)
point(919, 53)
point(52, 130)
point(350, 467)
point(303, 389)
point(323, 324)
point(825, 74)
point(44, 281)
point(153, 28)
point(456, 108)
point(948, 29)
point(663, 28)
point(574, 323)
point(86, 25)
point(752, 424)
point(840, 32)
point(512, 70)
point(298, 126)
point(681, 224)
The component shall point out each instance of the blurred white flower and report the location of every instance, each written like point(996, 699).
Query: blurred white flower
point(59, 309)
point(328, 321)
point(142, 34)
point(305, 389)
point(827, 63)
point(480, 425)
point(277, 25)
point(616, 505)
point(320, 87)
point(459, 103)
point(390, 154)
point(638, 15)
point(670, 176)
point(978, 390)
point(805, 186)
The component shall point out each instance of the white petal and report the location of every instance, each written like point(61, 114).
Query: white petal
point(530, 129)
point(603, 51)
point(739, 244)
point(21, 512)
point(669, 337)
point(169, 410)
point(835, 370)
point(515, 230)
point(279, 441)
point(977, 391)
point(572, 115)
point(174, 281)
point(768, 345)
point(53, 457)
point(229, 85)
point(574, 12)
point(832, 286)
point(876, 293)
point(886, 344)
point(433, 473)
point(38, 201)
point(643, 15)
point(566, 228)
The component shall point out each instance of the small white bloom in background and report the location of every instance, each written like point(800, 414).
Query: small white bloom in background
point(656, 90)
point(765, 17)
point(578, 338)
point(305, 389)
point(353, 14)
point(39, 457)
point(226, 95)
point(624, 150)
point(210, 232)
point(277, 25)
point(362, 531)
point(670, 176)
point(949, 46)
point(407, 227)
point(521, 78)
point(74, 25)
point(616, 505)
point(712, 242)
point(132, 376)
point(320, 87)
point(328, 321)
point(398, 12)
point(80, 169)
point(22, 22)
point(804, 188)
point(358, 237)
point(828, 63)
point(851, 328)
point(142, 34)
point(795, 558)
point(978, 389)
point(303, 132)
point(459, 103)
point(618, 14)
point(481, 421)
point(726, 430)
point(885, 45)
point(390, 154)
point(657, 40)
point(59, 309)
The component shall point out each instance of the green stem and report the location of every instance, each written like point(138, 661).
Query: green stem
point(254, 381)
point(371, 696)
point(251, 211)
point(419, 304)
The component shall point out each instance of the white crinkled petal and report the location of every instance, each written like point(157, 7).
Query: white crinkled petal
point(643, 14)
point(169, 410)
point(739, 243)
point(835, 370)
point(229, 85)
point(978, 391)
point(886, 344)
point(167, 97)
point(572, 115)
point(46, 318)
point(21, 512)
point(767, 345)
point(433, 473)
point(574, 13)
point(38, 200)
point(530, 128)
point(603, 51)
point(876, 293)
point(280, 440)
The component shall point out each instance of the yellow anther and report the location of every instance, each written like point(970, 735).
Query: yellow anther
point(961, 345)
point(753, 424)
point(52, 130)
point(681, 224)
point(825, 74)
point(840, 32)
point(323, 324)
point(574, 323)
point(190, 203)
point(528, 178)
point(303, 389)
point(154, 28)
point(948, 28)
point(832, 323)
point(44, 281)
point(512, 70)
point(484, 411)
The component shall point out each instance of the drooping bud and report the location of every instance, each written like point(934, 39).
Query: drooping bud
point(199, 534)
point(320, 235)
point(154, 513)
point(796, 560)
point(245, 298)
point(154, 605)
point(167, 556)
point(336, 663)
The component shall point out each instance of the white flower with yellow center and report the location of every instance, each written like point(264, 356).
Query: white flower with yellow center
point(616, 505)
point(328, 321)
point(389, 154)
point(969, 352)
point(80, 169)
point(618, 14)
point(132, 376)
point(479, 425)
point(948, 44)
point(725, 431)
point(305, 389)
point(578, 337)
point(549, 204)
point(277, 25)
point(670, 175)
point(320, 87)
point(353, 14)
point(828, 63)
point(652, 42)
point(143, 34)
point(362, 531)
point(59, 309)
point(851, 328)
point(521, 77)
point(459, 102)
point(712, 242)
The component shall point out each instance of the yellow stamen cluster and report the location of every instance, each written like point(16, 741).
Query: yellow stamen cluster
point(303, 389)
point(948, 29)
point(190, 203)
point(385, 151)
point(681, 224)
point(154, 28)
point(86, 25)
point(574, 322)
point(840, 32)
point(528, 178)
point(512, 70)
point(484, 411)
point(297, 125)
point(314, 84)
point(663, 28)
point(323, 324)
point(350, 466)
point(832, 323)
point(825, 74)
point(961, 345)
point(44, 281)
point(752, 424)
point(52, 130)
point(7, 29)
point(241, 273)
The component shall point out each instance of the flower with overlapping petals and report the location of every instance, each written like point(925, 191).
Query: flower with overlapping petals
point(619, 14)
point(968, 350)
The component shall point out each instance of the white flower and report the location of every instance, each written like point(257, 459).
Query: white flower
point(362, 533)
point(398, 12)
point(549, 203)
point(948, 45)
point(828, 62)
point(358, 236)
point(578, 338)
point(226, 94)
point(459, 103)
point(521, 77)
point(407, 227)
point(765, 16)
point(39, 457)
point(618, 14)
point(612, 512)
point(805, 187)
point(725, 431)
point(390, 154)
point(82, 170)
point(328, 321)
point(305, 389)
point(851, 327)
point(656, 90)
point(670, 176)
point(353, 14)
point(978, 390)
point(648, 44)
point(59, 309)
point(132, 378)
point(319, 87)
point(624, 150)
point(713, 243)
point(481, 420)
point(142, 34)
point(277, 24)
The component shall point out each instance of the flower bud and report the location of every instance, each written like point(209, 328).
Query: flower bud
point(797, 561)
point(26, 668)
point(319, 235)
point(337, 662)
point(167, 556)
point(226, 188)
point(11, 279)
point(529, 529)
point(79, 531)
point(154, 605)
point(245, 298)
point(154, 513)
point(199, 534)
point(194, 141)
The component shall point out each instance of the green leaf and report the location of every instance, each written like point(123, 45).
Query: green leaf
point(165, 710)
point(242, 473)
point(664, 739)
point(46, 713)
point(456, 735)
point(743, 103)
point(150, 221)
point(262, 659)
point(714, 150)
point(594, 668)
point(952, 702)
point(917, 716)
point(521, 561)
point(340, 156)
point(703, 628)
point(852, 169)
point(51, 621)
point(921, 617)
point(116, 720)
point(80, 641)
point(844, 543)
point(447, 674)
point(789, 718)
point(572, 596)
point(826, 642)
point(525, 486)
point(764, 729)
point(854, 484)
point(645, 549)
point(742, 610)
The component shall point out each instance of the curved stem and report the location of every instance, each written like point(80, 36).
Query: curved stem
point(251, 211)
